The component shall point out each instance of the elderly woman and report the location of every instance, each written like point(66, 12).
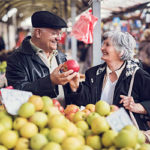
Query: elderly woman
point(110, 81)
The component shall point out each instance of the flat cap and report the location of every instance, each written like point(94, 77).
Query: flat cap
point(46, 19)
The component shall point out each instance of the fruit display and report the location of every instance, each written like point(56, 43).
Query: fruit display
point(71, 64)
point(3, 66)
point(41, 124)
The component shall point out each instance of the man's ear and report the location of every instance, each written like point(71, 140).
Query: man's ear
point(37, 33)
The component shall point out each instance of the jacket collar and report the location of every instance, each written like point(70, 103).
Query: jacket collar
point(131, 65)
point(26, 47)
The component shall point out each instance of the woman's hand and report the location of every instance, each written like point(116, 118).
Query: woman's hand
point(128, 103)
point(74, 83)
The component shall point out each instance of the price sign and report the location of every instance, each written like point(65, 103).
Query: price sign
point(119, 119)
point(13, 99)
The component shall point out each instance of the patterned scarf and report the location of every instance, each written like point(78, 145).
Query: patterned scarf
point(130, 67)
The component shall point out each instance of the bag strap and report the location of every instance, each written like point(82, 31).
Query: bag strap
point(129, 94)
point(131, 82)
point(146, 133)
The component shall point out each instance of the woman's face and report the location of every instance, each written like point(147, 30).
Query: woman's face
point(49, 39)
point(109, 52)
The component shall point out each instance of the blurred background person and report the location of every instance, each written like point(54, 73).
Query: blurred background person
point(144, 50)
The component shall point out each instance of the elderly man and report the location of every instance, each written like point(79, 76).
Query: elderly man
point(35, 66)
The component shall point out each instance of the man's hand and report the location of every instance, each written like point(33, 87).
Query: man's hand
point(58, 78)
point(128, 103)
point(74, 83)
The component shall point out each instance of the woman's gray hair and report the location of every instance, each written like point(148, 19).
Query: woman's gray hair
point(123, 42)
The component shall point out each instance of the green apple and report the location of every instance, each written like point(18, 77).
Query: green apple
point(40, 119)
point(47, 102)
point(88, 132)
point(94, 141)
point(2, 128)
point(71, 143)
point(91, 117)
point(80, 138)
point(137, 146)
point(79, 116)
point(7, 122)
point(26, 110)
point(3, 147)
point(52, 146)
point(57, 121)
point(99, 125)
point(85, 147)
point(145, 147)
point(38, 141)
point(9, 138)
point(45, 131)
point(28, 130)
point(131, 128)
point(126, 148)
point(102, 107)
point(125, 138)
point(80, 131)
point(112, 148)
point(22, 144)
point(108, 138)
point(141, 139)
point(82, 125)
point(70, 128)
point(3, 113)
point(51, 110)
point(19, 122)
point(57, 135)
point(37, 102)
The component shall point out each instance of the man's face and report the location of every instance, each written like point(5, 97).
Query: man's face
point(49, 38)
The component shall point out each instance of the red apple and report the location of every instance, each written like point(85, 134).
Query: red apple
point(9, 87)
point(90, 107)
point(56, 102)
point(87, 111)
point(70, 116)
point(113, 108)
point(71, 109)
point(61, 109)
point(70, 65)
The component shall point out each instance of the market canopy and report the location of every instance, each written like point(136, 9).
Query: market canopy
point(109, 8)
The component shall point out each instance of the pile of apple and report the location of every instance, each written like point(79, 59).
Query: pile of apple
point(40, 125)
point(3, 66)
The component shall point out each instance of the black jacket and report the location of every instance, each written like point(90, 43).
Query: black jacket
point(26, 71)
point(90, 90)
